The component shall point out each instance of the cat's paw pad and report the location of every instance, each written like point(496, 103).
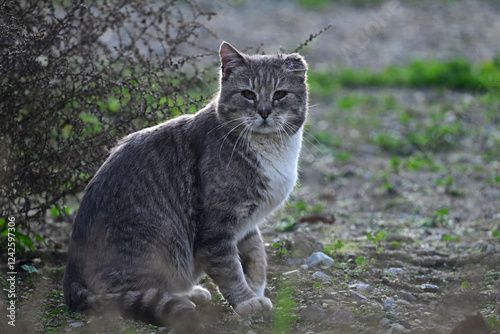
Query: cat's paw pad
point(200, 294)
point(254, 305)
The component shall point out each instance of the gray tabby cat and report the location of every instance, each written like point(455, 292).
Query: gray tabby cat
point(186, 197)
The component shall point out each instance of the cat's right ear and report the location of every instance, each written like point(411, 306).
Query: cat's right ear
point(230, 58)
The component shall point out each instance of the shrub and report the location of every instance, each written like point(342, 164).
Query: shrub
point(75, 76)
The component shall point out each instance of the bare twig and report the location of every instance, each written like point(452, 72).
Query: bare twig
point(312, 37)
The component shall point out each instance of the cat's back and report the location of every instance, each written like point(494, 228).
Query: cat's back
point(149, 173)
point(165, 149)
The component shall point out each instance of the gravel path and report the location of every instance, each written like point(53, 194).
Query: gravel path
point(393, 32)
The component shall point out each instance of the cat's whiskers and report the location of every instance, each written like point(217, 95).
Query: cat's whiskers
point(293, 127)
point(282, 132)
point(229, 132)
point(248, 127)
point(226, 123)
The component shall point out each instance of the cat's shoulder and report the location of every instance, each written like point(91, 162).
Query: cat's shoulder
point(205, 117)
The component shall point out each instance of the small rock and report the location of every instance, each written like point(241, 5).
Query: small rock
point(357, 295)
point(384, 322)
point(330, 302)
point(306, 243)
point(340, 317)
point(313, 313)
point(408, 296)
point(403, 302)
point(361, 286)
point(397, 328)
point(388, 305)
point(319, 258)
point(405, 324)
point(77, 324)
point(490, 249)
point(348, 171)
point(395, 271)
point(427, 296)
point(322, 276)
point(429, 288)
point(386, 280)
point(329, 295)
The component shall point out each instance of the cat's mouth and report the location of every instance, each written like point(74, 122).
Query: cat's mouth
point(267, 125)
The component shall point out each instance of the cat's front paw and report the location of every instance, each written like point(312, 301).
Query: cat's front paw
point(253, 305)
point(200, 294)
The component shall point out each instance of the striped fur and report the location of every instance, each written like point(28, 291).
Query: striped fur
point(186, 197)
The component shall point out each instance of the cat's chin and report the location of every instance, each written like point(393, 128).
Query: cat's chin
point(265, 129)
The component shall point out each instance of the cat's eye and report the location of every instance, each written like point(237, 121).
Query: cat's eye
point(249, 95)
point(278, 95)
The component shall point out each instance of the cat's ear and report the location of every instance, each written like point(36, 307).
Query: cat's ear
point(294, 62)
point(230, 58)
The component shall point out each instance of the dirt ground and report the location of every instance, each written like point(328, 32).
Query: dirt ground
point(436, 260)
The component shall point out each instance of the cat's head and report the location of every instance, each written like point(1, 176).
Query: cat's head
point(262, 94)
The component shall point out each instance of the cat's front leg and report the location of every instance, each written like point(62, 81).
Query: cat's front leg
point(225, 269)
point(253, 259)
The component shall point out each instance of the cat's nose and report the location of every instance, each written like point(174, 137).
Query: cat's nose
point(264, 111)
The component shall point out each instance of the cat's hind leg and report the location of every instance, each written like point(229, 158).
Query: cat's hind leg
point(161, 308)
point(151, 305)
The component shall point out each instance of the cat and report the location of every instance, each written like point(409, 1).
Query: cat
point(186, 197)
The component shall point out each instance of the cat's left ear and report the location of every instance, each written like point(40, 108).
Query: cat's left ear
point(295, 62)
point(230, 58)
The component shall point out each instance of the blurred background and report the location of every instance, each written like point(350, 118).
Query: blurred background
point(395, 224)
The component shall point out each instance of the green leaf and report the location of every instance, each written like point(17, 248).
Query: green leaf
point(54, 211)
point(277, 245)
point(38, 237)
point(494, 322)
point(317, 285)
point(380, 235)
point(442, 212)
point(338, 244)
point(360, 260)
point(301, 206)
point(113, 104)
point(495, 233)
point(25, 239)
point(30, 269)
point(318, 208)
point(466, 285)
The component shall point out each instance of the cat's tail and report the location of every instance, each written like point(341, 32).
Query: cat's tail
point(151, 306)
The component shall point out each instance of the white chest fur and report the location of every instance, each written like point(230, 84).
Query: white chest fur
point(278, 161)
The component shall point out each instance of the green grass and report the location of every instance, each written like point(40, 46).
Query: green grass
point(363, 113)
point(284, 314)
point(322, 4)
point(456, 74)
